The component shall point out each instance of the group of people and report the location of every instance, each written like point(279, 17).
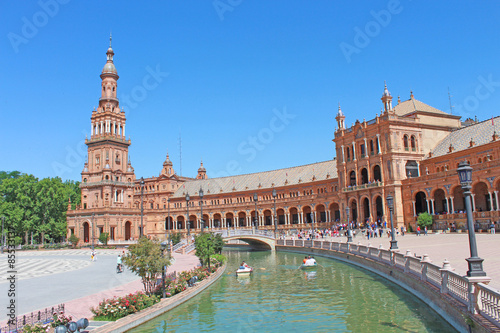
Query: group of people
point(244, 265)
point(309, 261)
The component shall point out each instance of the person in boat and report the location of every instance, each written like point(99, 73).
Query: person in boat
point(242, 266)
point(305, 259)
point(245, 265)
point(310, 261)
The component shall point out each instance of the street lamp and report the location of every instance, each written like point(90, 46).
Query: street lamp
point(349, 232)
point(201, 206)
point(188, 221)
point(275, 222)
point(475, 263)
point(168, 222)
point(142, 207)
point(163, 246)
point(92, 231)
point(256, 222)
point(390, 204)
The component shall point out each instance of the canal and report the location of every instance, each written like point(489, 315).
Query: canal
point(280, 297)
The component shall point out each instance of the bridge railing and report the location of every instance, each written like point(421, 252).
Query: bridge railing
point(245, 232)
point(477, 297)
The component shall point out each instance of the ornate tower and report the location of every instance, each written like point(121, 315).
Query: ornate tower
point(107, 178)
point(340, 119)
point(202, 172)
point(386, 99)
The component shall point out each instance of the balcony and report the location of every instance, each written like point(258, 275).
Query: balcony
point(363, 187)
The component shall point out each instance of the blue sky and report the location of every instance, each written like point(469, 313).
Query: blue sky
point(248, 85)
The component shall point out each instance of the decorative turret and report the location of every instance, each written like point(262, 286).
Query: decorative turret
point(167, 167)
point(202, 172)
point(386, 99)
point(340, 119)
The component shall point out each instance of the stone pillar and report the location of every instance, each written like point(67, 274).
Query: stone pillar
point(452, 206)
point(491, 201)
point(414, 208)
point(432, 207)
point(496, 199)
point(366, 151)
point(353, 151)
point(428, 211)
point(343, 157)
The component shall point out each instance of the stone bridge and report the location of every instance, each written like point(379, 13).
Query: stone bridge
point(257, 239)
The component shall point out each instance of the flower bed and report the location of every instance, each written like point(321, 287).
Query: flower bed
point(57, 320)
point(119, 307)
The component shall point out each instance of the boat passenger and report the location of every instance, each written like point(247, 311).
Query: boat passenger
point(305, 259)
point(242, 266)
point(245, 265)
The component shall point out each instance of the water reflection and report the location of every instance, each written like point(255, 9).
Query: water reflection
point(279, 296)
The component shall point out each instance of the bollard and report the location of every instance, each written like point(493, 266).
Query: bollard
point(72, 326)
point(82, 323)
point(61, 329)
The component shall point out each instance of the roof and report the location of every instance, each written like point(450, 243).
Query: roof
point(412, 105)
point(261, 180)
point(481, 133)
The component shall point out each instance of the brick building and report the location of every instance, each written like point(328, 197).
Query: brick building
point(410, 150)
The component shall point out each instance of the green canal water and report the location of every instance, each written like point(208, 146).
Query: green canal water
point(279, 297)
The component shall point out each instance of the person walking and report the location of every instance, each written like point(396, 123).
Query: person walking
point(492, 228)
point(418, 230)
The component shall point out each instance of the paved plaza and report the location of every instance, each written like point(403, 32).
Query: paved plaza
point(49, 278)
point(452, 247)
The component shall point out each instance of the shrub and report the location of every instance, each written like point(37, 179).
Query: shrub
point(73, 240)
point(119, 307)
point(36, 328)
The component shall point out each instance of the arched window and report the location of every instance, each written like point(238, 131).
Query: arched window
point(371, 147)
point(348, 151)
point(405, 142)
point(413, 143)
point(352, 178)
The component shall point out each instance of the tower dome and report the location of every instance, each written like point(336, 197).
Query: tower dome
point(109, 67)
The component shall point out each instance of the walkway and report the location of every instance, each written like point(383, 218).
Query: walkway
point(49, 278)
point(452, 247)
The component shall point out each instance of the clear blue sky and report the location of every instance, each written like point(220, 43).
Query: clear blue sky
point(232, 66)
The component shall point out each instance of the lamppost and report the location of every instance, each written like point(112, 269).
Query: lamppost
point(390, 204)
point(475, 263)
point(201, 207)
point(142, 207)
point(349, 232)
point(275, 222)
point(256, 222)
point(163, 246)
point(188, 223)
point(168, 223)
point(92, 231)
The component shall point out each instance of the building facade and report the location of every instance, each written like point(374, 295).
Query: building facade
point(410, 151)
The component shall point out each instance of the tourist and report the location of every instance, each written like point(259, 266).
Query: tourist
point(425, 231)
point(492, 228)
point(403, 230)
point(305, 259)
point(418, 230)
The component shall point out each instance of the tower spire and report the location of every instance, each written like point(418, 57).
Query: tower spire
point(386, 98)
point(110, 38)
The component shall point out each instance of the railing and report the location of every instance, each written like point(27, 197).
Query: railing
point(179, 245)
point(44, 316)
point(244, 232)
point(488, 302)
point(363, 186)
point(477, 297)
point(190, 247)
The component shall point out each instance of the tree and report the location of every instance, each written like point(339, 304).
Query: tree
point(176, 238)
point(424, 220)
point(145, 259)
point(73, 240)
point(205, 247)
point(219, 243)
point(103, 238)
